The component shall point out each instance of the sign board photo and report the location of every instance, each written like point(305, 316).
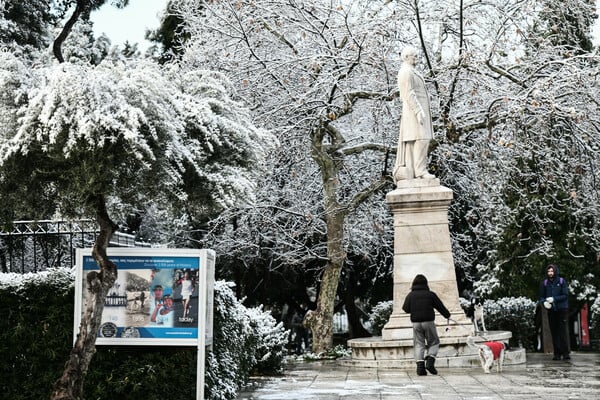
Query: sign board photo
point(160, 297)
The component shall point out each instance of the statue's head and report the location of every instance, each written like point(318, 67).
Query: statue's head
point(409, 55)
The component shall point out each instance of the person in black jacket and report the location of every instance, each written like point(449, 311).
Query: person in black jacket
point(554, 296)
point(420, 304)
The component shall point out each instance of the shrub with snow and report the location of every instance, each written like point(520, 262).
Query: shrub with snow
point(380, 315)
point(271, 340)
point(515, 314)
point(246, 339)
point(37, 335)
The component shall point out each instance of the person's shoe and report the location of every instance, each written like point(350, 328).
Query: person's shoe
point(566, 357)
point(430, 365)
point(421, 368)
point(555, 358)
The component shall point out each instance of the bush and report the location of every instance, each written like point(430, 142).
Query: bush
point(380, 315)
point(271, 339)
point(36, 332)
point(229, 364)
point(247, 339)
point(515, 314)
point(149, 373)
point(37, 335)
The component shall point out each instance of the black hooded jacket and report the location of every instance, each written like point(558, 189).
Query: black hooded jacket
point(421, 302)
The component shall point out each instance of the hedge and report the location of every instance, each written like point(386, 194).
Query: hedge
point(36, 334)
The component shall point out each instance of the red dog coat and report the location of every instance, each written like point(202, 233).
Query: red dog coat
point(496, 348)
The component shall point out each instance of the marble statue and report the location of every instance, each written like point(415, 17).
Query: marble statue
point(415, 125)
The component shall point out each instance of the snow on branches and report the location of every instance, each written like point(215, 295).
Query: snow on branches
point(147, 122)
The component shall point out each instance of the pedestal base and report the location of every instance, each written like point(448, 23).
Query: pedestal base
point(399, 326)
point(454, 352)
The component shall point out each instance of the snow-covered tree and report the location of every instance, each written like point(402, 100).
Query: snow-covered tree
point(317, 73)
point(135, 132)
point(520, 146)
point(77, 10)
point(516, 130)
point(169, 36)
point(25, 24)
point(83, 47)
point(565, 25)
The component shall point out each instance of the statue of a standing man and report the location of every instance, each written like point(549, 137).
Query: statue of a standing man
point(415, 125)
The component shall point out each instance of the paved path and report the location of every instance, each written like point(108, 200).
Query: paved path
point(539, 378)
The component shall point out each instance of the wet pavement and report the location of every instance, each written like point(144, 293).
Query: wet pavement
point(539, 378)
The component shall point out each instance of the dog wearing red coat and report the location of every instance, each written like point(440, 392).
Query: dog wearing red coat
point(489, 352)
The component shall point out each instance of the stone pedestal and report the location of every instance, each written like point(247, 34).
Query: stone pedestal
point(422, 246)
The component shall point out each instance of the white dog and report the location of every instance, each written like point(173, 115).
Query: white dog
point(488, 353)
point(478, 318)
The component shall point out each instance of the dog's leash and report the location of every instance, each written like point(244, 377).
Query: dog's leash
point(448, 324)
point(448, 327)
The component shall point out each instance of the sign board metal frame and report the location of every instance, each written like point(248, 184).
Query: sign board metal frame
point(147, 305)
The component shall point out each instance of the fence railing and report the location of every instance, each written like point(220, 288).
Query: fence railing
point(32, 246)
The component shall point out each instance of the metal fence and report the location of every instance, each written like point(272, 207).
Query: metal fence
point(32, 246)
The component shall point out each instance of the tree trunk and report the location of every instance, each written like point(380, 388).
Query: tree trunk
point(64, 33)
point(320, 321)
point(70, 385)
point(330, 160)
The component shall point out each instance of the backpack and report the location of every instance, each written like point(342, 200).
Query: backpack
point(561, 281)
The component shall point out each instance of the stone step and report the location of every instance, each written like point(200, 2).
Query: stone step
point(454, 351)
point(511, 357)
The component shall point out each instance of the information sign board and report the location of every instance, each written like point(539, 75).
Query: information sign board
point(161, 297)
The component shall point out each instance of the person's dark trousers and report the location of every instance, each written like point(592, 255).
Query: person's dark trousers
point(559, 328)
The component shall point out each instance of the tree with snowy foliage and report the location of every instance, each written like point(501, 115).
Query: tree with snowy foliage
point(521, 144)
point(510, 125)
point(26, 25)
point(317, 74)
point(565, 25)
point(169, 36)
point(85, 137)
point(81, 10)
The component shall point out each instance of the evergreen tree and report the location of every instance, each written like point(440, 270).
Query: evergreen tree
point(26, 23)
point(82, 10)
point(564, 25)
point(171, 34)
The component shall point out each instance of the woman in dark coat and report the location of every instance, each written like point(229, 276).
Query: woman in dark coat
point(420, 304)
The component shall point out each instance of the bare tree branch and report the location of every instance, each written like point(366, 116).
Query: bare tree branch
point(360, 148)
point(505, 74)
point(367, 192)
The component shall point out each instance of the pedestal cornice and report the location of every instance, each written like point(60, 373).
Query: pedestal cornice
point(419, 198)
